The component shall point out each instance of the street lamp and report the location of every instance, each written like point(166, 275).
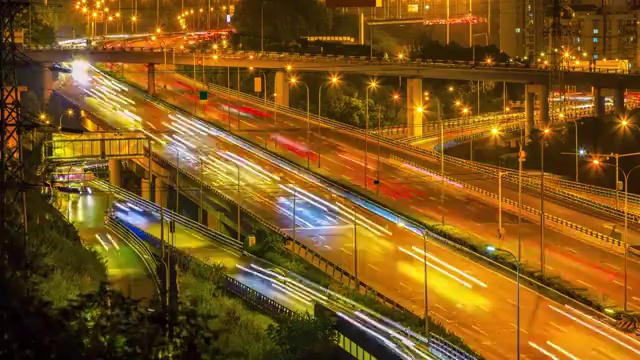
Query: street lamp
point(333, 81)
point(441, 136)
point(294, 81)
point(492, 249)
point(69, 112)
point(545, 133)
point(626, 212)
point(373, 84)
point(467, 113)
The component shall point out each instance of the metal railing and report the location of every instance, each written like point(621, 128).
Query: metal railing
point(139, 247)
point(230, 243)
point(508, 201)
point(332, 59)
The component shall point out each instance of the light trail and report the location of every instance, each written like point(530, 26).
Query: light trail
point(462, 282)
point(561, 350)
point(542, 350)
point(462, 273)
point(599, 331)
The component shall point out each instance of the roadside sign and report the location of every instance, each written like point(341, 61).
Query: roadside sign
point(204, 96)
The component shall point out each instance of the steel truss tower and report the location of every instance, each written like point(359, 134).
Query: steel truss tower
point(12, 125)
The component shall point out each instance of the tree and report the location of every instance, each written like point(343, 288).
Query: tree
point(283, 20)
point(38, 27)
point(304, 337)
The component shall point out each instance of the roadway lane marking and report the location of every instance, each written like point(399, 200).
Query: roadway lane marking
point(405, 285)
point(345, 251)
point(584, 283)
point(327, 246)
point(513, 303)
point(441, 307)
point(557, 326)
point(612, 266)
point(373, 267)
point(621, 284)
point(341, 164)
point(479, 330)
point(521, 329)
point(346, 177)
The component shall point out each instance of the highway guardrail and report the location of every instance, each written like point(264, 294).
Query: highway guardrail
point(508, 201)
point(138, 246)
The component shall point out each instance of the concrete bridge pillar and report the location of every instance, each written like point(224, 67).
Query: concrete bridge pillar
point(281, 87)
point(598, 106)
point(543, 97)
point(151, 79)
point(414, 104)
point(529, 102)
point(115, 172)
point(145, 189)
point(161, 192)
point(618, 101)
point(47, 84)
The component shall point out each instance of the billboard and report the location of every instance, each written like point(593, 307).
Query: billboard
point(353, 3)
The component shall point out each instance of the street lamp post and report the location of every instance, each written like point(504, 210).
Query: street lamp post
point(542, 254)
point(69, 112)
point(575, 122)
point(262, 27)
point(333, 81)
point(372, 85)
point(492, 249)
point(295, 81)
point(625, 175)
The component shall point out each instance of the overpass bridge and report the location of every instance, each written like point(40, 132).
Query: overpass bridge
point(537, 81)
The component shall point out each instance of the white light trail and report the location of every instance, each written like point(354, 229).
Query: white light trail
point(302, 197)
point(599, 331)
point(454, 269)
point(533, 345)
point(462, 282)
point(563, 351)
point(364, 219)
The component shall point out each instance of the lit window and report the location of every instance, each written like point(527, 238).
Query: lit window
point(595, 31)
point(595, 56)
point(517, 30)
point(595, 39)
point(578, 40)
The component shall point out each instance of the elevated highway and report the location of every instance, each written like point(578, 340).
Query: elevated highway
point(482, 315)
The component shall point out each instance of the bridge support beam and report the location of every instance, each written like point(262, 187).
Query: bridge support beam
point(115, 172)
point(529, 102)
point(598, 106)
point(145, 189)
point(47, 84)
point(151, 79)
point(281, 87)
point(543, 98)
point(414, 103)
point(618, 101)
point(161, 192)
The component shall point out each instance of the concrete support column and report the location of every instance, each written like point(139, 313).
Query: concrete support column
point(151, 79)
point(414, 102)
point(529, 103)
point(598, 106)
point(115, 172)
point(543, 97)
point(161, 193)
point(47, 84)
point(618, 101)
point(213, 220)
point(145, 189)
point(281, 87)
